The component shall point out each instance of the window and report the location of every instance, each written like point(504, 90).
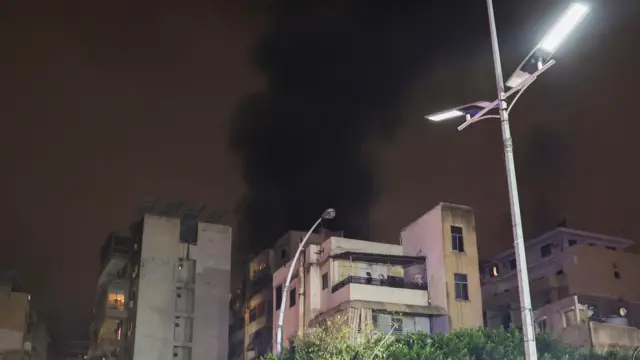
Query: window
point(457, 239)
point(594, 310)
point(494, 270)
point(253, 314)
point(592, 244)
point(325, 281)
point(461, 286)
point(396, 325)
point(115, 300)
point(572, 242)
point(545, 250)
point(374, 320)
point(278, 296)
point(569, 317)
point(616, 274)
point(283, 254)
point(542, 325)
point(513, 264)
point(611, 248)
point(292, 298)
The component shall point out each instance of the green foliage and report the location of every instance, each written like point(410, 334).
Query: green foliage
point(334, 341)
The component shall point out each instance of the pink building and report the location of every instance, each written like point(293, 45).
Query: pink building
point(430, 282)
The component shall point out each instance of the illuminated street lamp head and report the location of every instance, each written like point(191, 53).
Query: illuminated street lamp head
point(450, 114)
point(329, 214)
point(571, 18)
point(464, 110)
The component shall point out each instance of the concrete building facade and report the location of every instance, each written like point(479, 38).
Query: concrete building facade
point(430, 282)
point(258, 315)
point(571, 273)
point(164, 292)
point(23, 336)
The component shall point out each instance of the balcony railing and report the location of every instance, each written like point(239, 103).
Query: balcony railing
point(394, 282)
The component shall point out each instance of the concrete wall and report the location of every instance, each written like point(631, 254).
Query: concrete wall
point(213, 276)
point(430, 236)
point(14, 311)
point(157, 290)
point(609, 337)
point(163, 298)
point(590, 271)
point(463, 314)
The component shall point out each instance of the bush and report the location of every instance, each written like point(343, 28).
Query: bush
point(335, 342)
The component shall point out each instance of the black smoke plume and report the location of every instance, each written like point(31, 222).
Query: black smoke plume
point(335, 75)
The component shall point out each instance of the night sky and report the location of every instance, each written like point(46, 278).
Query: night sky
point(274, 112)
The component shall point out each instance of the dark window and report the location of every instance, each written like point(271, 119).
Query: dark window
point(283, 254)
point(253, 314)
point(513, 264)
point(611, 248)
point(457, 239)
point(545, 250)
point(278, 296)
point(594, 309)
point(292, 297)
point(461, 286)
point(572, 242)
point(374, 320)
point(616, 274)
point(396, 324)
point(325, 281)
point(592, 244)
point(542, 325)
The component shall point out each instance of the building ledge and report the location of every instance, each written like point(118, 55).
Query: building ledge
point(382, 306)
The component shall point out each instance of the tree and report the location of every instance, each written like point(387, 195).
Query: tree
point(333, 340)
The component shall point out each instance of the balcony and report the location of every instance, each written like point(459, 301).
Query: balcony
point(397, 291)
point(114, 256)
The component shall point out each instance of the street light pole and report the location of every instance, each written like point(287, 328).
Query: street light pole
point(516, 221)
point(327, 214)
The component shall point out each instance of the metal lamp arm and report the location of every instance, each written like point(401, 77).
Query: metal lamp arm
point(285, 291)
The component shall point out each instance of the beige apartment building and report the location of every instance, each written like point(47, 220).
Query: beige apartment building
point(257, 315)
point(430, 282)
point(583, 289)
point(23, 336)
point(163, 290)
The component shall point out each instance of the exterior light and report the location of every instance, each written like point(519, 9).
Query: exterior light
point(623, 312)
point(329, 214)
point(445, 115)
point(571, 18)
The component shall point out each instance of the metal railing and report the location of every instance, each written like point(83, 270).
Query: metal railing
point(394, 282)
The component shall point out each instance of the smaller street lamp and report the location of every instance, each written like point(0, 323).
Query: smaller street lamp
point(328, 214)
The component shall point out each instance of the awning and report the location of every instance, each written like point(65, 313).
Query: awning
point(380, 258)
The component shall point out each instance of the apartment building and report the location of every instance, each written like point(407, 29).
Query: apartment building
point(163, 292)
point(572, 273)
point(430, 282)
point(258, 316)
point(23, 336)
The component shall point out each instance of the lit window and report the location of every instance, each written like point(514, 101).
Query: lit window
point(115, 300)
point(461, 286)
point(457, 239)
point(494, 271)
